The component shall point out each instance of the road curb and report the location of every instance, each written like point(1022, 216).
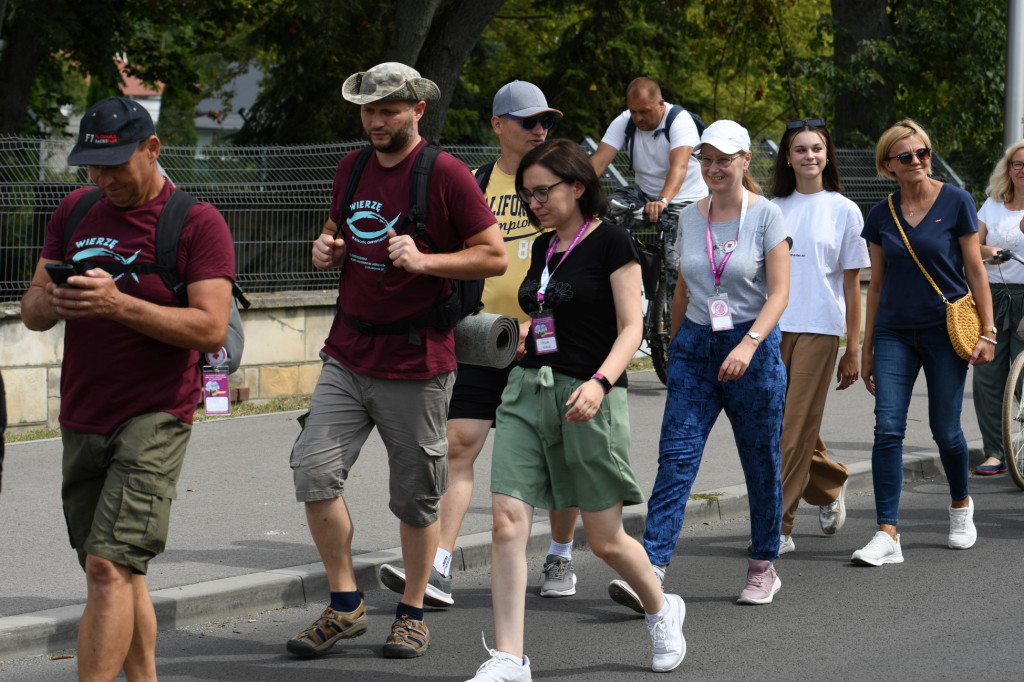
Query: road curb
point(42, 632)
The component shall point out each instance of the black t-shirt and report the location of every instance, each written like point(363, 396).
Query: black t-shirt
point(580, 296)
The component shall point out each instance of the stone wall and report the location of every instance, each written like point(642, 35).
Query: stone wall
point(284, 333)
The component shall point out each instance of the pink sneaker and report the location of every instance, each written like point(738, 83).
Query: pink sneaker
point(762, 583)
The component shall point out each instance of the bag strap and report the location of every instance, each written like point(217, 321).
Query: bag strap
point(353, 183)
point(168, 233)
point(483, 175)
point(77, 213)
point(914, 255)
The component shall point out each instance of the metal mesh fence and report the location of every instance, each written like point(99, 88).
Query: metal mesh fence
point(275, 199)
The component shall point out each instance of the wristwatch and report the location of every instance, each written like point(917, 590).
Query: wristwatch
point(605, 384)
point(754, 335)
point(662, 200)
point(989, 329)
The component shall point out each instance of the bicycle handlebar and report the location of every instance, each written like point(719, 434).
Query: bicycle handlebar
point(1004, 255)
point(618, 208)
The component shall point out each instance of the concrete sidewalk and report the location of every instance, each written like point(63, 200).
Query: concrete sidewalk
point(239, 544)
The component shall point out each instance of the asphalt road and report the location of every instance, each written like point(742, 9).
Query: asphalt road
point(942, 614)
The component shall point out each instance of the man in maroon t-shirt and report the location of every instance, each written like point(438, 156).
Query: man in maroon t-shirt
point(130, 373)
point(381, 369)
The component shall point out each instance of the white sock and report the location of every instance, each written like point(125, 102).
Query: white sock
point(443, 562)
point(558, 549)
point(651, 618)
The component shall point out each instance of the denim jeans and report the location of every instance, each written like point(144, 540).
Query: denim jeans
point(899, 355)
point(754, 404)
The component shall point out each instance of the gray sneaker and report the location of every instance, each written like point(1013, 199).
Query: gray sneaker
point(559, 577)
point(621, 593)
point(439, 587)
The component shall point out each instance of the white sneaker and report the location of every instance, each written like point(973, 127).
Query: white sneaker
point(881, 550)
point(667, 636)
point(502, 667)
point(962, 533)
point(786, 544)
point(832, 516)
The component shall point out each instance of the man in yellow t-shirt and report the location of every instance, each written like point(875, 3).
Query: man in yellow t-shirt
point(521, 120)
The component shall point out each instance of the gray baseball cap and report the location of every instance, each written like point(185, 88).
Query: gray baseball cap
point(520, 98)
point(389, 81)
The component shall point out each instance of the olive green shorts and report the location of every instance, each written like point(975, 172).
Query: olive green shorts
point(118, 488)
point(549, 463)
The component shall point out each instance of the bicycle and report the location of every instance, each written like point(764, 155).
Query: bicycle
point(1013, 408)
point(650, 243)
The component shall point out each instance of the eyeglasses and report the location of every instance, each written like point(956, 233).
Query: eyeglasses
point(546, 120)
point(1017, 165)
point(801, 122)
point(906, 158)
point(540, 194)
point(721, 162)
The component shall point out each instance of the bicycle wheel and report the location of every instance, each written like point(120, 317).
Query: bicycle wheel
point(661, 328)
point(1013, 422)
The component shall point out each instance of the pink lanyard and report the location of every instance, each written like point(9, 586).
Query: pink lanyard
point(718, 269)
point(545, 276)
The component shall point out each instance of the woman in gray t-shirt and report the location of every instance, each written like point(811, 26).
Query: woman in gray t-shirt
point(724, 354)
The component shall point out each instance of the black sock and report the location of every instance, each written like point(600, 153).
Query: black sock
point(411, 611)
point(345, 601)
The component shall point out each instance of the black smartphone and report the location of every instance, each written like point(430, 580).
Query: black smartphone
point(59, 272)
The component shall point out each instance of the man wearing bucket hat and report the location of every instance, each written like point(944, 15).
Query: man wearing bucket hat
point(125, 432)
point(521, 118)
point(385, 364)
point(666, 176)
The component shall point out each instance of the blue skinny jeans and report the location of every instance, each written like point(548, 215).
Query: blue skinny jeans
point(754, 404)
point(899, 355)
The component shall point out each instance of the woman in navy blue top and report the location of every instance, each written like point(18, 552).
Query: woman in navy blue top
point(905, 329)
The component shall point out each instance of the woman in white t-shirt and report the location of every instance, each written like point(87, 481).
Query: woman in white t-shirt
point(825, 261)
point(1001, 226)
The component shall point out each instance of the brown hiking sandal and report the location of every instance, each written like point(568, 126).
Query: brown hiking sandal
point(408, 639)
point(328, 629)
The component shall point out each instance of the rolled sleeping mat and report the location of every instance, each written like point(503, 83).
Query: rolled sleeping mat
point(486, 339)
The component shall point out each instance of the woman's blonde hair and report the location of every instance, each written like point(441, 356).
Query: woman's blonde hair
point(1000, 187)
point(888, 140)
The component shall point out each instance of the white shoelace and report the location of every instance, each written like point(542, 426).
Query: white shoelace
point(958, 521)
point(659, 634)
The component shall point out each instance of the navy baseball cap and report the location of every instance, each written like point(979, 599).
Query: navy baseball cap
point(110, 131)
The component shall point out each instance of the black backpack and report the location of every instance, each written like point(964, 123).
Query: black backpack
point(672, 113)
point(168, 232)
point(466, 295)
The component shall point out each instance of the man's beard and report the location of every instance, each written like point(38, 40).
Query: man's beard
point(397, 142)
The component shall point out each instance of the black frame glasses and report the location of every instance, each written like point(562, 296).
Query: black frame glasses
point(546, 120)
point(721, 161)
point(540, 194)
point(907, 158)
point(1015, 165)
point(801, 122)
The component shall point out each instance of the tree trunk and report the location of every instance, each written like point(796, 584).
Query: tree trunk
point(23, 50)
point(453, 34)
point(862, 112)
point(409, 32)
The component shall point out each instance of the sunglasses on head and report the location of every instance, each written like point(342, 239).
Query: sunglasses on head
point(801, 122)
point(906, 158)
point(546, 120)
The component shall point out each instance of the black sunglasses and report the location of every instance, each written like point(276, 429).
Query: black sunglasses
point(906, 158)
point(801, 122)
point(546, 120)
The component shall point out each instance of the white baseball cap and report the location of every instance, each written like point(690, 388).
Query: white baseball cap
point(728, 137)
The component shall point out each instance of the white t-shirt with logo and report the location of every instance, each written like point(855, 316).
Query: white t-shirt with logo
point(825, 228)
point(651, 155)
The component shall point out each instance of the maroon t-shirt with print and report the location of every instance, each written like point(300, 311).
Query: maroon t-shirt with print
point(381, 202)
point(110, 372)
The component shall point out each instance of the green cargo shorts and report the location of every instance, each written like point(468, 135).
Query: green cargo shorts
point(549, 463)
point(117, 488)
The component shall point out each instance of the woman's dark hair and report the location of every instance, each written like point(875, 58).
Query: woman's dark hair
point(568, 161)
point(783, 177)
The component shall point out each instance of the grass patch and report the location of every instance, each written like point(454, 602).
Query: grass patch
point(640, 364)
point(243, 409)
point(710, 497)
